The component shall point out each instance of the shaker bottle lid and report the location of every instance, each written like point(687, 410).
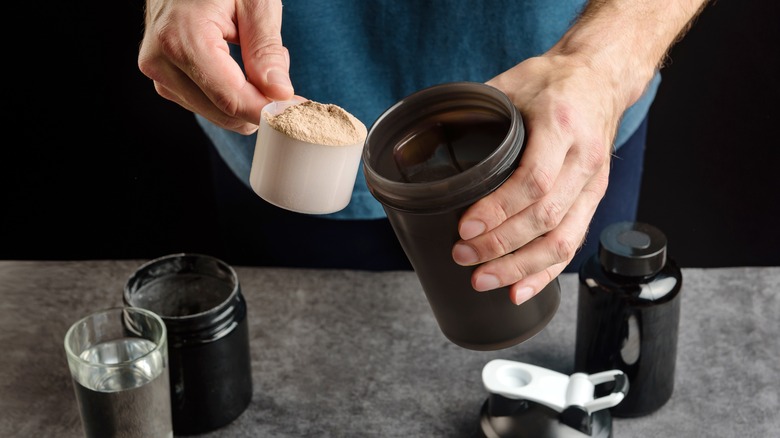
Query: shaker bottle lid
point(632, 249)
point(531, 401)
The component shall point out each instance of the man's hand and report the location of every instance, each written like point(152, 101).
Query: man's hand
point(185, 52)
point(530, 228)
point(572, 98)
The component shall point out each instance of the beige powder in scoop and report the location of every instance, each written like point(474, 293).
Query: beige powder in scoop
point(318, 123)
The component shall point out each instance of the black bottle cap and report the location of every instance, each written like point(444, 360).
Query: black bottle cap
point(632, 249)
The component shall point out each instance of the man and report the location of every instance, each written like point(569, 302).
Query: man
point(583, 75)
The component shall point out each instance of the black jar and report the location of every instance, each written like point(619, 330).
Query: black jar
point(628, 314)
point(426, 160)
point(199, 299)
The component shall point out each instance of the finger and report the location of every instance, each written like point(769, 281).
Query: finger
point(540, 217)
point(192, 98)
point(543, 157)
point(530, 286)
point(556, 247)
point(266, 60)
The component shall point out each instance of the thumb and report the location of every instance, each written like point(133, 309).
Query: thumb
point(266, 60)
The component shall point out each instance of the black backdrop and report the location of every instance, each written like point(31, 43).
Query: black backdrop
point(95, 165)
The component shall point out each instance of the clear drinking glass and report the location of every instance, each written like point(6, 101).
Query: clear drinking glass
point(118, 359)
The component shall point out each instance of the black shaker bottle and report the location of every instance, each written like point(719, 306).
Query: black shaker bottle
point(427, 159)
point(628, 314)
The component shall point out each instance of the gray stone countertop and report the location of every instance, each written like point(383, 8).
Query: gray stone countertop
point(353, 353)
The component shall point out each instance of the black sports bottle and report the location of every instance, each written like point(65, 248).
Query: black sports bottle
point(628, 314)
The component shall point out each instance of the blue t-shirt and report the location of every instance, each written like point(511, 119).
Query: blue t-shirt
point(365, 56)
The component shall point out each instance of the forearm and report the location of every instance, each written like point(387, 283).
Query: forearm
point(628, 40)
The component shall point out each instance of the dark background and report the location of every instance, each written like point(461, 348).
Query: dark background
point(95, 165)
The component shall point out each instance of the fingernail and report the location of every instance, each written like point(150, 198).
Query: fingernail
point(523, 294)
point(278, 77)
point(486, 282)
point(471, 229)
point(464, 255)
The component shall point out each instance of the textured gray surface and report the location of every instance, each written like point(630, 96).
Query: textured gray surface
point(347, 353)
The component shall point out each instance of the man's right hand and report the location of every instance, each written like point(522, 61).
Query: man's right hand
point(185, 52)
